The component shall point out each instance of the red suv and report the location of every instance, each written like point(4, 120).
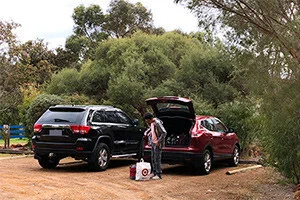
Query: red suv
point(191, 138)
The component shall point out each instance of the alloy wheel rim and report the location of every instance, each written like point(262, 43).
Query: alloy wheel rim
point(207, 162)
point(236, 156)
point(103, 157)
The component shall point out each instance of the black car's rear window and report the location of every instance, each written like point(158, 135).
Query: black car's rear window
point(62, 115)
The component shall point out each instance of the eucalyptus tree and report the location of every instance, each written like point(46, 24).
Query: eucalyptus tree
point(267, 36)
point(123, 19)
point(10, 95)
point(88, 31)
point(36, 62)
point(276, 19)
point(128, 70)
point(92, 26)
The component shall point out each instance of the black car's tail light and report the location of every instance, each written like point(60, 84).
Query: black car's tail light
point(79, 148)
point(78, 129)
point(37, 127)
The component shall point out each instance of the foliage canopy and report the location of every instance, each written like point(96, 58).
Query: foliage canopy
point(267, 34)
point(145, 65)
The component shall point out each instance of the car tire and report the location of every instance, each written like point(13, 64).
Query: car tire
point(205, 163)
point(101, 158)
point(47, 162)
point(234, 161)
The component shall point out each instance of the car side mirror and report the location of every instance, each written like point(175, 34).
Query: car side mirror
point(230, 130)
point(136, 122)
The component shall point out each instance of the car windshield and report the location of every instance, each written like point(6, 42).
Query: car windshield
point(62, 115)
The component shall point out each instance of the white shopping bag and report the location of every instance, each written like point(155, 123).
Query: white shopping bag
point(143, 170)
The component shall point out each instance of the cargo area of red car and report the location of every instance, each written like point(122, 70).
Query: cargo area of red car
point(178, 130)
point(178, 118)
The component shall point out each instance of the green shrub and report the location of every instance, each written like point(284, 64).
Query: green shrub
point(76, 99)
point(202, 107)
point(64, 82)
point(242, 117)
point(38, 106)
point(29, 94)
point(281, 135)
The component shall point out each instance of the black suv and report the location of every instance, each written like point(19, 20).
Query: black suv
point(90, 133)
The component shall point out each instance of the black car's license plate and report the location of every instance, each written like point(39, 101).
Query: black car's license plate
point(55, 132)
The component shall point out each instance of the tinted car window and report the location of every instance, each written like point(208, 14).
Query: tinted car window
point(62, 115)
point(110, 117)
point(164, 107)
point(123, 118)
point(208, 124)
point(204, 123)
point(98, 117)
point(105, 116)
point(220, 127)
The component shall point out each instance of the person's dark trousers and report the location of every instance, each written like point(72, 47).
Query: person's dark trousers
point(156, 160)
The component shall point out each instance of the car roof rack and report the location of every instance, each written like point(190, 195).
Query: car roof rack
point(100, 107)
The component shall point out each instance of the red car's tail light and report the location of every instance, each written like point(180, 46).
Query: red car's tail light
point(37, 127)
point(196, 134)
point(77, 129)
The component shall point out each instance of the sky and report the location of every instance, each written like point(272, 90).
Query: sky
point(51, 20)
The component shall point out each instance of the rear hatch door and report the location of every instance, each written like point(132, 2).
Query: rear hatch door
point(58, 124)
point(172, 106)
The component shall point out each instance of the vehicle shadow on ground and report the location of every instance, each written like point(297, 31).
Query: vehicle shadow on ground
point(81, 166)
point(188, 170)
point(75, 166)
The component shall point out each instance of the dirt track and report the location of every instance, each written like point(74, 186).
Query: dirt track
point(22, 178)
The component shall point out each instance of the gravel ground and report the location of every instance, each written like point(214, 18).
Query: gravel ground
point(23, 178)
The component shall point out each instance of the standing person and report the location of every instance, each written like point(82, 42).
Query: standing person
point(158, 134)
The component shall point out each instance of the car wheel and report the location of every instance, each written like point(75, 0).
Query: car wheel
point(234, 161)
point(206, 162)
point(101, 158)
point(47, 162)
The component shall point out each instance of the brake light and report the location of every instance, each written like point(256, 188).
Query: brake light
point(79, 148)
point(196, 134)
point(199, 132)
point(37, 127)
point(77, 129)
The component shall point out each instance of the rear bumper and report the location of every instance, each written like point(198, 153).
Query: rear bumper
point(62, 154)
point(172, 157)
point(81, 149)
